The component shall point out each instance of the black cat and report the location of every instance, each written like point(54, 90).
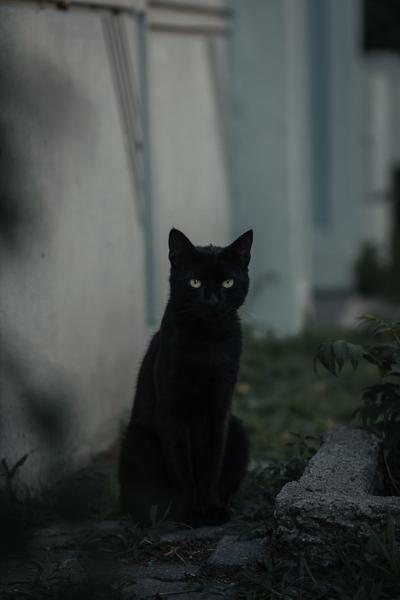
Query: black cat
point(184, 453)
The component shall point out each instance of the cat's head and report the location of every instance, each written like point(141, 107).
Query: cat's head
point(208, 281)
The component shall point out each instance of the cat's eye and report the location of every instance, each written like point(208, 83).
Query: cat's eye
point(227, 283)
point(195, 283)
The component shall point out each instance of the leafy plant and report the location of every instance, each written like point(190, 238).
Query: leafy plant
point(381, 402)
point(275, 393)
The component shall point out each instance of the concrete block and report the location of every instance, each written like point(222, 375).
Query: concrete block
point(336, 500)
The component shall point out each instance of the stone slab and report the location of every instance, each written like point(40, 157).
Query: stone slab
point(154, 588)
point(64, 535)
point(233, 553)
point(160, 570)
point(198, 533)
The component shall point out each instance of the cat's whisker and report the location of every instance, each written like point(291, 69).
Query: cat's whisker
point(249, 314)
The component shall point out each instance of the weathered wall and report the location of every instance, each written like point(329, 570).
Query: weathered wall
point(71, 266)
point(83, 232)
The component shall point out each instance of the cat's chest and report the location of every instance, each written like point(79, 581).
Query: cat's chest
point(205, 359)
point(194, 353)
point(199, 387)
point(195, 378)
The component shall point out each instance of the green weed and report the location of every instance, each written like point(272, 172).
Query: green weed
point(278, 393)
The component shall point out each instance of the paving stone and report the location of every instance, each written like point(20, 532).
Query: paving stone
point(42, 574)
point(198, 533)
point(154, 588)
point(233, 553)
point(71, 560)
point(64, 535)
point(16, 570)
point(160, 570)
point(209, 595)
point(150, 588)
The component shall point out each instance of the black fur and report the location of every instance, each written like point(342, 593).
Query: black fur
point(183, 452)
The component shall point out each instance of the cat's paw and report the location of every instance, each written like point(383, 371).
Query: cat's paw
point(216, 515)
point(195, 518)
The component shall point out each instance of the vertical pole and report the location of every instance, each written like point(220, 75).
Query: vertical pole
point(147, 183)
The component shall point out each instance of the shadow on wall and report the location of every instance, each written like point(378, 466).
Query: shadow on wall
point(41, 417)
point(46, 402)
point(41, 110)
point(44, 399)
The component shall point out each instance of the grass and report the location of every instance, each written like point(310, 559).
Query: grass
point(366, 571)
point(278, 391)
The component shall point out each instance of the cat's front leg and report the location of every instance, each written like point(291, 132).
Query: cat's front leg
point(176, 446)
point(209, 455)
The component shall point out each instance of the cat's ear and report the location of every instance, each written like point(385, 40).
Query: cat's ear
point(180, 247)
point(240, 249)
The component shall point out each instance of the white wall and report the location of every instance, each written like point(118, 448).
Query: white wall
point(71, 246)
point(337, 120)
point(190, 187)
point(271, 156)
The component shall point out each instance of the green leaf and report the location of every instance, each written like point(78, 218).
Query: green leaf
point(340, 352)
point(333, 354)
point(355, 353)
point(326, 357)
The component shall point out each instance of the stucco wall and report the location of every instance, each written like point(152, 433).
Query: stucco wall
point(71, 245)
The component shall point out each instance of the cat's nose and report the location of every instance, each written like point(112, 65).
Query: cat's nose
point(212, 300)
